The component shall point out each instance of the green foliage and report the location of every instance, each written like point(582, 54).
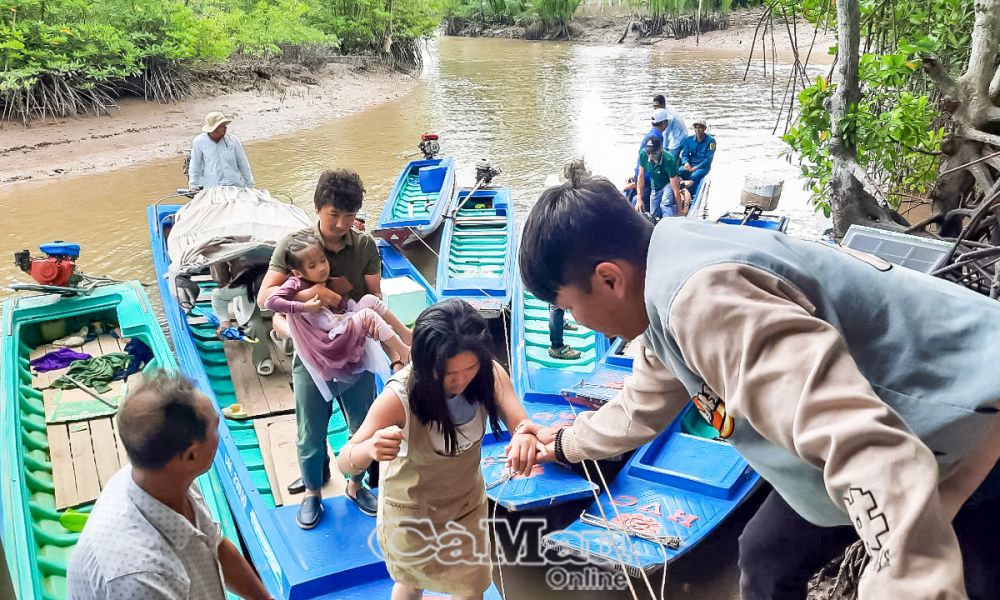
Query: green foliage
point(504, 12)
point(555, 11)
point(267, 25)
point(677, 8)
point(364, 25)
point(896, 127)
point(71, 46)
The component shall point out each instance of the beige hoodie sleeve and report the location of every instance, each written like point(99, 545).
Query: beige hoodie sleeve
point(790, 376)
point(649, 401)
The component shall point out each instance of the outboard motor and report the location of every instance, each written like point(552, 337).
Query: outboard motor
point(56, 268)
point(485, 172)
point(429, 145)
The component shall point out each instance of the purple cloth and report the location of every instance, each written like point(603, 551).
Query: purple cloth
point(58, 359)
point(330, 358)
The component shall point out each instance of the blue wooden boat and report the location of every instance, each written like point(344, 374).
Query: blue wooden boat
point(761, 221)
point(334, 560)
point(675, 490)
point(410, 212)
point(538, 379)
point(477, 251)
point(38, 534)
point(752, 216)
point(699, 197)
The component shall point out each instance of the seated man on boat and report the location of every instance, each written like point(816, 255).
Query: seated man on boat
point(237, 284)
point(675, 130)
point(697, 153)
point(354, 260)
point(150, 535)
point(217, 157)
point(662, 170)
point(868, 425)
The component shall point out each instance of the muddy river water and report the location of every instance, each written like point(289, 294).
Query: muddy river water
point(528, 107)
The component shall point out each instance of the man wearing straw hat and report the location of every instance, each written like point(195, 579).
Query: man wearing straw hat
point(217, 157)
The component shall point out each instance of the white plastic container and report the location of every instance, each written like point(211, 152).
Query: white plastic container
point(404, 297)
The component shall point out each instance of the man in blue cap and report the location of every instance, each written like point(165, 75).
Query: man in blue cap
point(659, 168)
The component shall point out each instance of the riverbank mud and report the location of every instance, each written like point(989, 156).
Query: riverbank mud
point(141, 131)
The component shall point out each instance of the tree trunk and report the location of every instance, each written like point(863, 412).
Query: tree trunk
point(850, 202)
point(969, 171)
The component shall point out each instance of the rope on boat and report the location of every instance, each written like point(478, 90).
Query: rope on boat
point(607, 525)
point(505, 479)
point(669, 541)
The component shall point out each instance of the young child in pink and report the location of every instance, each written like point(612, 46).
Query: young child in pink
point(333, 342)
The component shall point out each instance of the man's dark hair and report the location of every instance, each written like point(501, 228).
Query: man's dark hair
point(660, 100)
point(341, 189)
point(575, 226)
point(160, 420)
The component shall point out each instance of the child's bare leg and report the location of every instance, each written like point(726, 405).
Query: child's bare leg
point(393, 356)
point(397, 347)
point(376, 327)
point(372, 302)
point(401, 330)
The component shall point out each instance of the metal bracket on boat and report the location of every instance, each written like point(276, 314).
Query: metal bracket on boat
point(504, 478)
point(670, 541)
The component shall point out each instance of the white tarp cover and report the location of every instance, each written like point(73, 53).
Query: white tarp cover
point(223, 223)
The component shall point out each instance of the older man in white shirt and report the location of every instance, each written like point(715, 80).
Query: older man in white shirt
point(151, 535)
point(217, 157)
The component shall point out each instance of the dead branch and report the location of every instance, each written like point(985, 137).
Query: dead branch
point(980, 136)
point(968, 164)
point(939, 75)
point(982, 175)
point(753, 43)
point(628, 28)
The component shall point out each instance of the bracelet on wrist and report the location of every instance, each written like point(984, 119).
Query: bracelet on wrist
point(560, 455)
point(520, 427)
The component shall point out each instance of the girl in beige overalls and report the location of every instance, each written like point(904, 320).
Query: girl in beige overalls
point(426, 429)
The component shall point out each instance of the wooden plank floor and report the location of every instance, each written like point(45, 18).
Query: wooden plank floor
point(276, 438)
point(260, 395)
point(84, 454)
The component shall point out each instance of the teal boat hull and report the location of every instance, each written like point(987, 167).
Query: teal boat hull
point(37, 546)
point(477, 253)
point(409, 213)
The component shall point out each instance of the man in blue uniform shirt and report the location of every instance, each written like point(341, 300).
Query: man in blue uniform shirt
point(697, 152)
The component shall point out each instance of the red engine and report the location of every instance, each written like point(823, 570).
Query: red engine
point(429, 145)
point(57, 267)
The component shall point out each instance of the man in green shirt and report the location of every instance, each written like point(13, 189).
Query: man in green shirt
point(356, 267)
point(662, 170)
